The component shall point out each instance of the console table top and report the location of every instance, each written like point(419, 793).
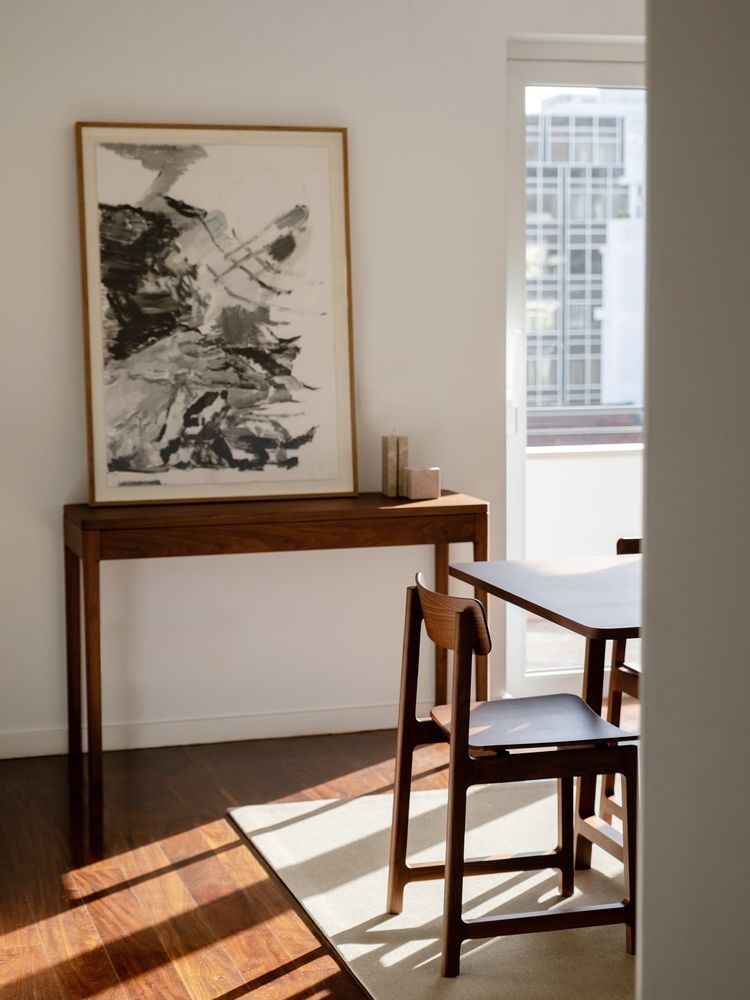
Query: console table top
point(367, 505)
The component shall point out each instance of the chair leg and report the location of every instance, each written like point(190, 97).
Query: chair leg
point(407, 739)
point(400, 825)
point(454, 873)
point(566, 835)
point(630, 839)
point(614, 711)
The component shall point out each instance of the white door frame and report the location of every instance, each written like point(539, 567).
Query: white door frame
point(596, 63)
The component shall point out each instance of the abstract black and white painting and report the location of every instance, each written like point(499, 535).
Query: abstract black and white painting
point(218, 317)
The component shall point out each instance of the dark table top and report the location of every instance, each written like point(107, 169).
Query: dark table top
point(596, 596)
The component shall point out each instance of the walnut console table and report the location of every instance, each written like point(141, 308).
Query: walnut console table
point(93, 534)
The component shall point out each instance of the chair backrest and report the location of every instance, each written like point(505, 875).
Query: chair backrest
point(439, 613)
point(626, 547)
point(629, 546)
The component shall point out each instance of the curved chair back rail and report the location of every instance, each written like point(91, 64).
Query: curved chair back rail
point(629, 546)
point(439, 613)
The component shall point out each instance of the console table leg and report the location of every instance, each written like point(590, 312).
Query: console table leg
point(441, 655)
point(92, 630)
point(73, 649)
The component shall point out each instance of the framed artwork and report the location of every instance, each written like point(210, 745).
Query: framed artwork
point(217, 312)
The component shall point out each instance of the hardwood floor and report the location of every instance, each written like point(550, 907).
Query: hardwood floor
point(151, 892)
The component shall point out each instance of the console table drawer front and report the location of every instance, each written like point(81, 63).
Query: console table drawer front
point(219, 540)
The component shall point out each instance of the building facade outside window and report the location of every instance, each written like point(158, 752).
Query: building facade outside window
point(585, 206)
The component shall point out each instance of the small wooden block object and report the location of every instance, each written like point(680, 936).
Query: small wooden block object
point(422, 484)
point(403, 461)
point(389, 486)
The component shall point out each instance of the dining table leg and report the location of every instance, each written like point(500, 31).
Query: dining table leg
point(481, 553)
point(593, 690)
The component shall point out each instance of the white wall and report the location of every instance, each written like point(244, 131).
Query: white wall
point(696, 810)
point(421, 87)
point(580, 501)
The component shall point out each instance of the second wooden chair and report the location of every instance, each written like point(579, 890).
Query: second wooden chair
point(490, 742)
point(624, 678)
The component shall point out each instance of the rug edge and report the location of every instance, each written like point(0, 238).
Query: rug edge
point(300, 907)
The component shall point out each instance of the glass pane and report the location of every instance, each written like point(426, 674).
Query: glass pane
point(620, 203)
point(549, 206)
point(578, 207)
point(577, 370)
point(548, 368)
point(578, 261)
point(599, 206)
point(585, 186)
point(577, 316)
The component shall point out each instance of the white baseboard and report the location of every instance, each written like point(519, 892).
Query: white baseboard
point(219, 729)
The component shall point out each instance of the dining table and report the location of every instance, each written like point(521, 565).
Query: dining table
point(598, 597)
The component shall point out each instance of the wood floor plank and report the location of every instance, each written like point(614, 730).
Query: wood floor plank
point(24, 971)
point(259, 927)
point(280, 939)
point(135, 949)
point(184, 931)
point(78, 957)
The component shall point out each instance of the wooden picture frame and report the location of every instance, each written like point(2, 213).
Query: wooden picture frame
point(217, 312)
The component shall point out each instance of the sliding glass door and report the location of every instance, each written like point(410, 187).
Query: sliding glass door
point(577, 202)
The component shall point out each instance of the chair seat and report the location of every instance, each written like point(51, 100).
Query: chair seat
point(632, 668)
point(543, 721)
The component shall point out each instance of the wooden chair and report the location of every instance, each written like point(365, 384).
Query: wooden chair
point(487, 743)
point(623, 679)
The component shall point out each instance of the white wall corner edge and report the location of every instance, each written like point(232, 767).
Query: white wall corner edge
point(217, 729)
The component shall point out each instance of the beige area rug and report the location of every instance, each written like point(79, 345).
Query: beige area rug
point(333, 857)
